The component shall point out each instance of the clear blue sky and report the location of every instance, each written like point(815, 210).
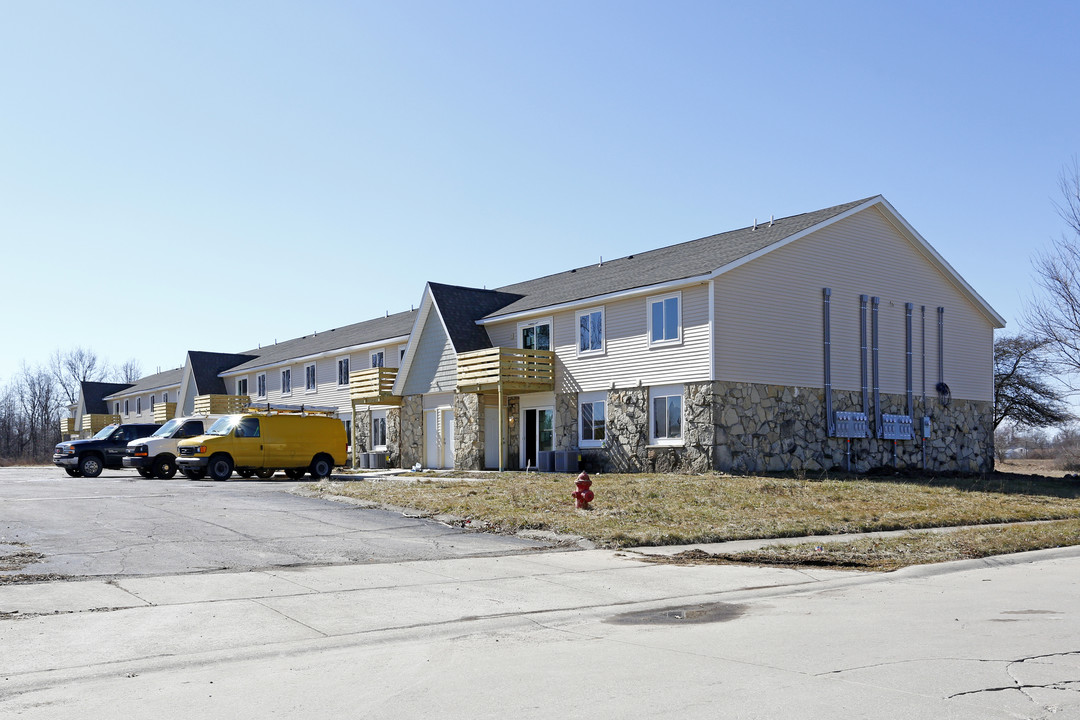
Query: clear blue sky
point(215, 175)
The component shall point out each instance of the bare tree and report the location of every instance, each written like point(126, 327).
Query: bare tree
point(72, 367)
point(1055, 317)
point(1024, 392)
point(130, 371)
point(39, 402)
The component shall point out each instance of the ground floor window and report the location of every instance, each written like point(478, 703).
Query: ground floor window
point(378, 429)
point(666, 421)
point(592, 415)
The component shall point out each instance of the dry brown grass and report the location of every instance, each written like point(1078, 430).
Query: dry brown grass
point(635, 510)
point(885, 554)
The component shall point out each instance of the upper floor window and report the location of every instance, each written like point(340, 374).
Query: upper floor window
point(665, 319)
point(241, 386)
point(116, 408)
point(377, 359)
point(343, 371)
point(138, 406)
point(165, 397)
point(590, 331)
point(286, 381)
point(152, 398)
point(127, 407)
point(309, 378)
point(665, 406)
point(260, 385)
point(535, 335)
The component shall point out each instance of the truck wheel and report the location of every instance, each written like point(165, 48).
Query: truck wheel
point(295, 473)
point(90, 466)
point(145, 473)
point(264, 473)
point(72, 472)
point(164, 467)
point(220, 467)
point(322, 466)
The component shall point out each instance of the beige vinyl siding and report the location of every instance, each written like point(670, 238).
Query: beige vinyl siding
point(434, 363)
point(628, 359)
point(147, 415)
point(769, 314)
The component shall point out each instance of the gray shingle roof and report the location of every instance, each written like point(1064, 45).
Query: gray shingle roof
point(369, 331)
point(151, 382)
point(205, 367)
point(674, 262)
point(460, 307)
point(94, 394)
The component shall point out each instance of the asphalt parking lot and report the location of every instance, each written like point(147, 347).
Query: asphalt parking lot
point(120, 525)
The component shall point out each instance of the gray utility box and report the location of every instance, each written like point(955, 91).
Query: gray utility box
point(376, 461)
point(897, 427)
point(851, 425)
point(362, 461)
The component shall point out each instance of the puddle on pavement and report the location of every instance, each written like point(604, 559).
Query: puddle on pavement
point(681, 615)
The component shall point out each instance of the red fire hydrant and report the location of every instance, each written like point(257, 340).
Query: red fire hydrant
point(583, 495)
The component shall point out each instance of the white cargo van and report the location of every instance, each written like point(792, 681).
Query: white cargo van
point(155, 456)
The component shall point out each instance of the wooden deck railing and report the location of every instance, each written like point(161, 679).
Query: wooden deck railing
point(373, 387)
point(164, 411)
point(91, 423)
point(220, 404)
point(510, 369)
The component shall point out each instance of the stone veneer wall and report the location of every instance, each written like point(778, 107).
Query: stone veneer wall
point(468, 431)
point(776, 428)
point(411, 449)
point(746, 428)
point(393, 437)
point(361, 434)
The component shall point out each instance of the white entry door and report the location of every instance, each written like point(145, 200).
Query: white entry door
point(439, 438)
point(448, 437)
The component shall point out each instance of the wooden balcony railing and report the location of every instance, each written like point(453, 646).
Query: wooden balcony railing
point(373, 387)
point(164, 411)
point(508, 369)
point(91, 423)
point(220, 404)
point(67, 426)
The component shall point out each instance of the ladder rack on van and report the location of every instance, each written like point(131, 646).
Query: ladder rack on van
point(279, 409)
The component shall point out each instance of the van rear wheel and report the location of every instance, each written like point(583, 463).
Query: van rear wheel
point(322, 466)
point(220, 467)
point(264, 473)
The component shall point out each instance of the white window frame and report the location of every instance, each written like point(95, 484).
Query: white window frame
point(242, 386)
point(260, 385)
point(537, 323)
point(286, 382)
point(153, 399)
point(314, 386)
point(165, 397)
point(378, 417)
point(127, 406)
point(593, 399)
point(116, 407)
point(603, 332)
point(138, 405)
point(343, 377)
point(667, 391)
point(649, 302)
point(378, 359)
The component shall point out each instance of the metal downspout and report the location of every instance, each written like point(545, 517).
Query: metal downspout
point(874, 302)
point(831, 430)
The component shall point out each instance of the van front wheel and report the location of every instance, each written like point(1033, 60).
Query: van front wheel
point(322, 466)
point(220, 467)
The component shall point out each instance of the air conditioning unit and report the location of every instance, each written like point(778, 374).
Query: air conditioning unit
point(362, 461)
point(377, 461)
point(545, 461)
point(566, 461)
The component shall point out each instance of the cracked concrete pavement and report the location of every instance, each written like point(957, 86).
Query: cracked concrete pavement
point(541, 634)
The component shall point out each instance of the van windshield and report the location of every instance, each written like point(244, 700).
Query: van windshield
point(167, 429)
point(224, 425)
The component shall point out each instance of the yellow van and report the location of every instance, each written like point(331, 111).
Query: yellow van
point(259, 444)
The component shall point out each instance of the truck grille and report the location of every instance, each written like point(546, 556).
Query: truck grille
point(187, 451)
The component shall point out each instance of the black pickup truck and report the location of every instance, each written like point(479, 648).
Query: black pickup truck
point(87, 458)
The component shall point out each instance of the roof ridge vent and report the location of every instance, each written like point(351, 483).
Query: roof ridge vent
point(755, 224)
point(771, 220)
point(601, 261)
